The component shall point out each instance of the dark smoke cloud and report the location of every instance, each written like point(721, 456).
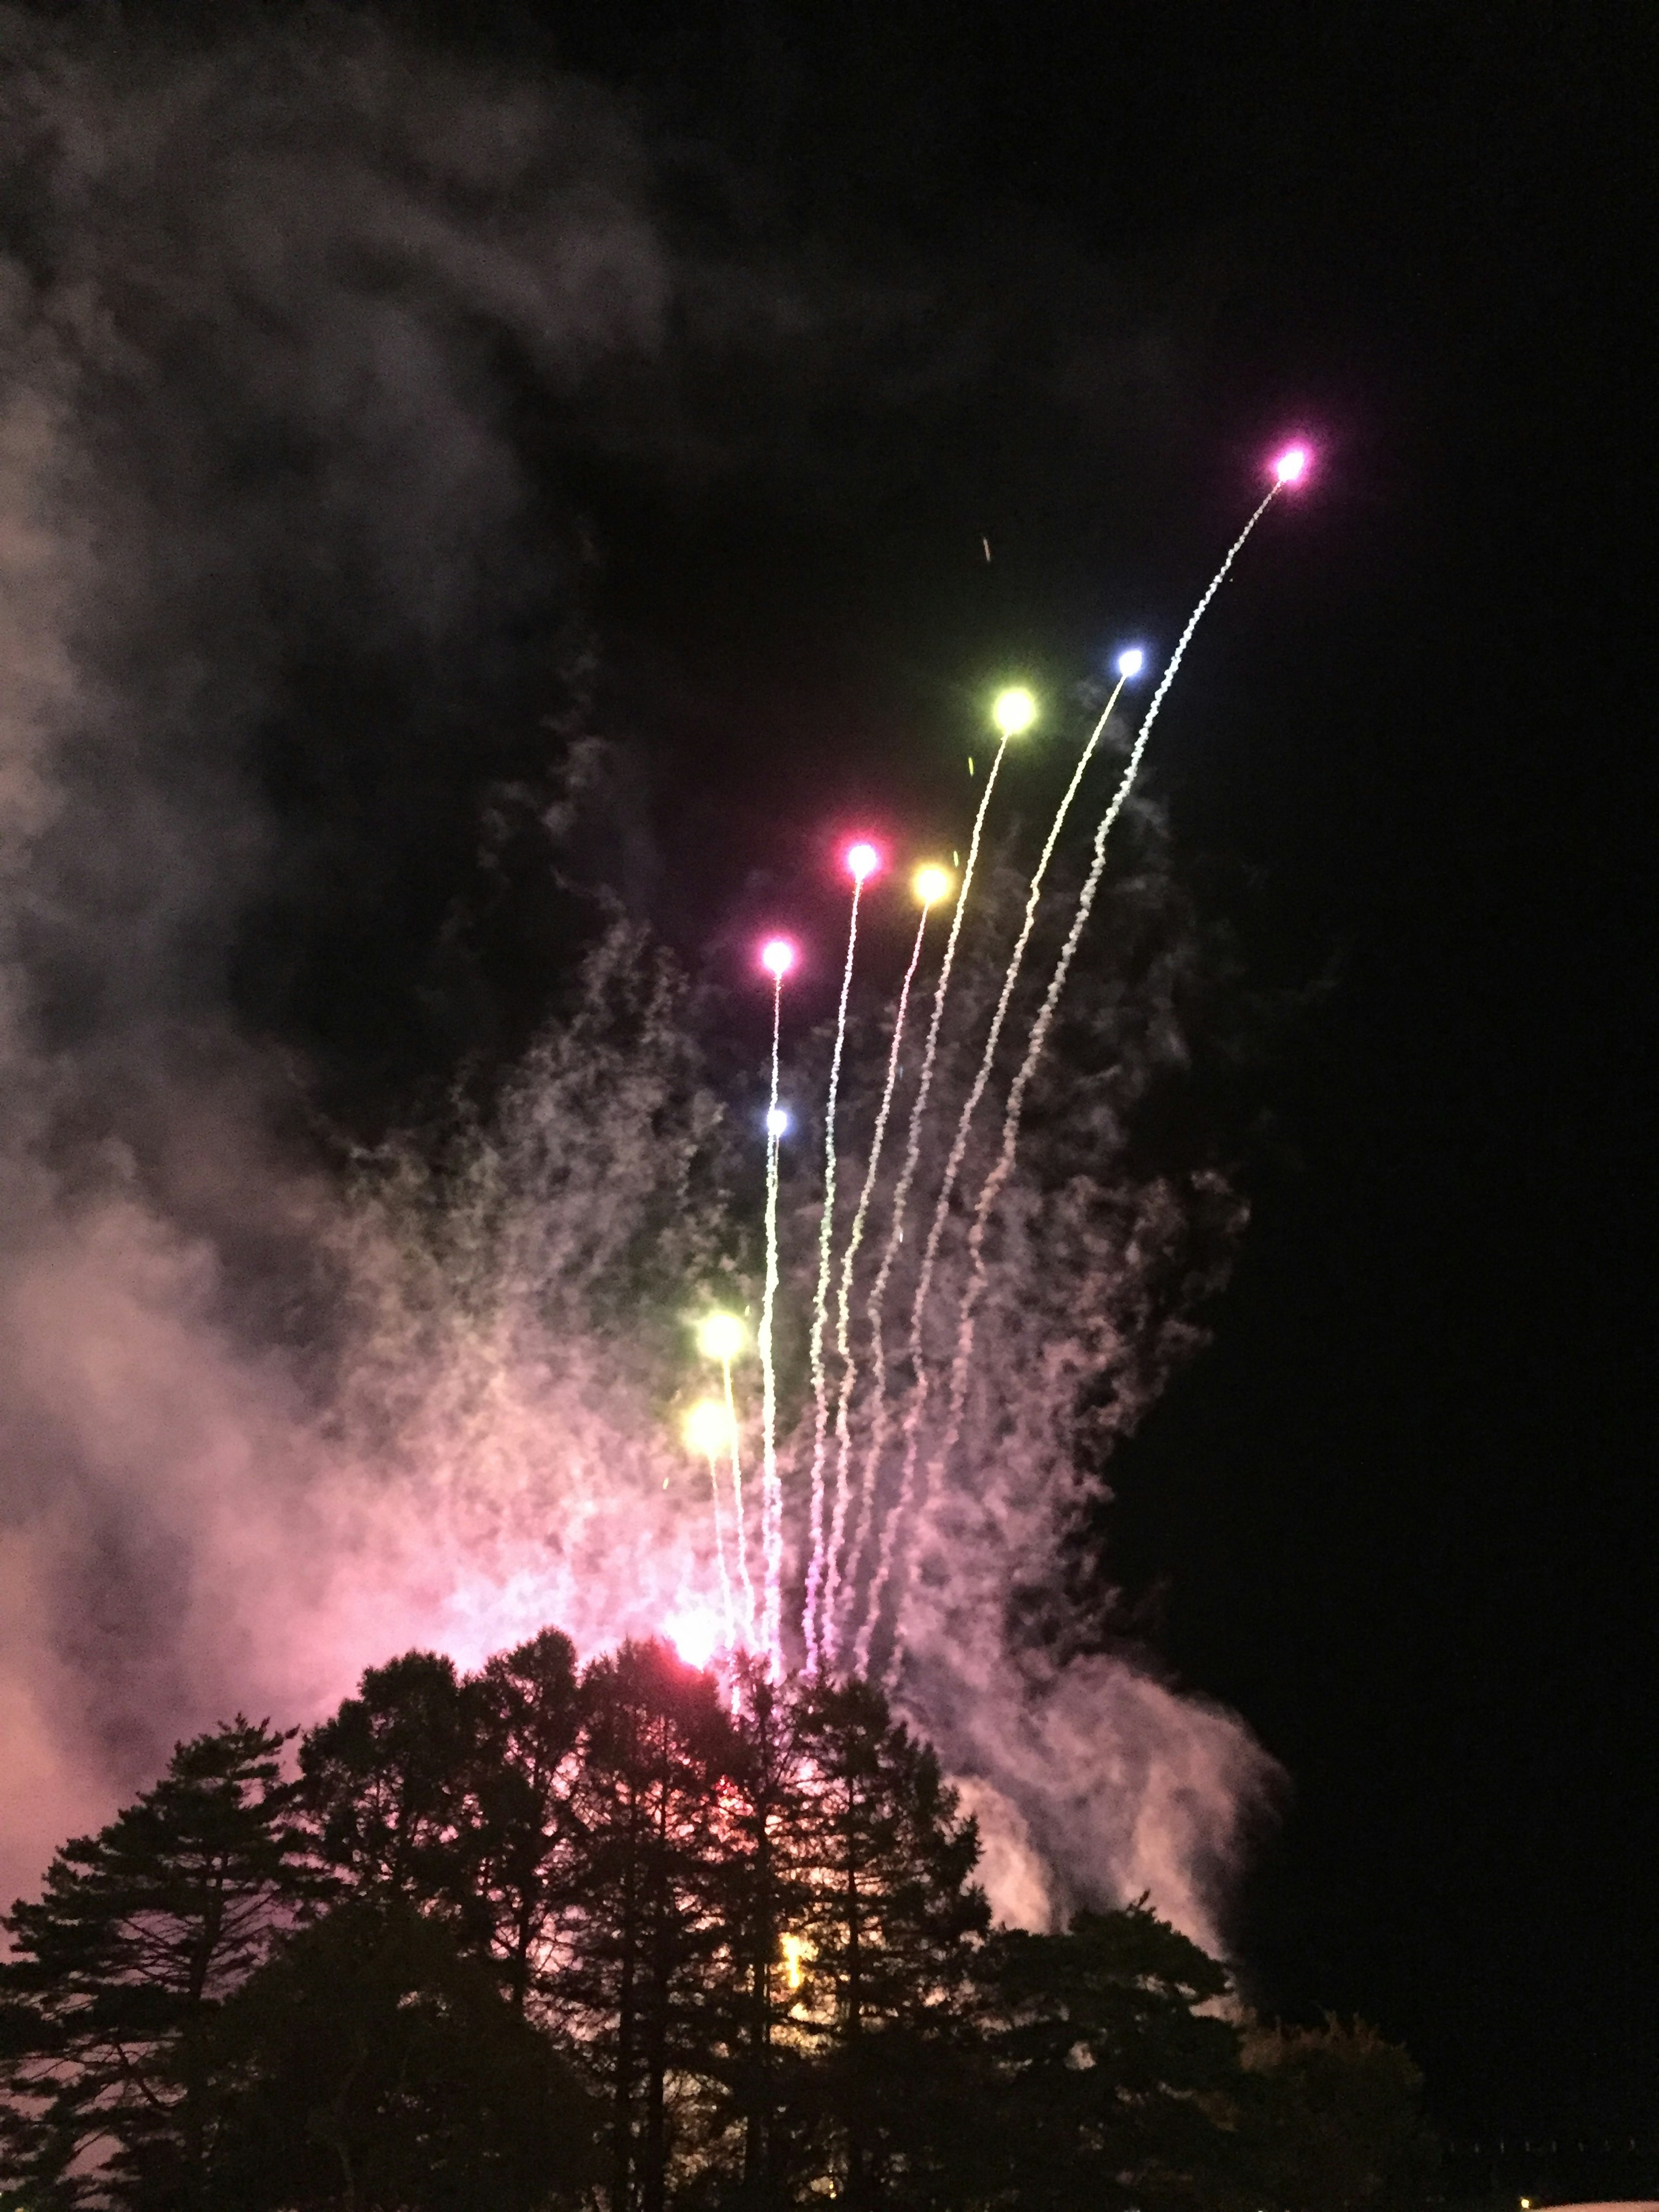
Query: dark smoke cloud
point(310, 345)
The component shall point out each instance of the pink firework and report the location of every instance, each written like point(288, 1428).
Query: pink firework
point(777, 957)
point(1292, 465)
point(862, 860)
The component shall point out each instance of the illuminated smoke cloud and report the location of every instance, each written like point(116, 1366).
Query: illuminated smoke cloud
point(263, 1422)
point(257, 505)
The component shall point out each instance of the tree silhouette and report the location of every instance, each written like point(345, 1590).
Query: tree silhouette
point(377, 2068)
point(892, 1916)
point(543, 1931)
point(385, 1781)
point(526, 1859)
point(141, 1934)
point(637, 1947)
point(1103, 2070)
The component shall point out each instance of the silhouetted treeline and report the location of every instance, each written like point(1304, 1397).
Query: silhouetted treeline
point(546, 1936)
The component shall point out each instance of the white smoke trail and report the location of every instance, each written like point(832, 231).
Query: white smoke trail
point(982, 1076)
point(821, 1298)
point(919, 1387)
point(896, 1226)
point(738, 1509)
point(771, 1489)
point(728, 1610)
point(838, 1531)
point(1003, 1166)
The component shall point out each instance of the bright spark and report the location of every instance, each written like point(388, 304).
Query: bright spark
point(931, 884)
point(778, 956)
point(1014, 710)
point(694, 1634)
point(1130, 662)
point(1292, 465)
point(707, 1427)
point(862, 860)
point(796, 1950)
point(720, 1336)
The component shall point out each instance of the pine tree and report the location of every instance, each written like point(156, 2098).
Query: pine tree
point(118, 1969)
point(526, 1847)
point(385, 1783)
point(751, 1936)
point(1102, 2072)
point(378, 2068)
point(756, 2058)
point(892, 1916)
point(639, 1946)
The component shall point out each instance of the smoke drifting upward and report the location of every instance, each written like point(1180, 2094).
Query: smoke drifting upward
point(286, 587)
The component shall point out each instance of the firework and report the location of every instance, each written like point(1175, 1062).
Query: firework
point(710, 1430)
point(931, 884)
point(721, 1336)
point(862, 861)
point(1013, 711)
point(777, 958)
point(919, 1385)
point(1294, 462)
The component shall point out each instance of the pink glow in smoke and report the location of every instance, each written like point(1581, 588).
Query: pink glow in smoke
point(694, 1633)
point(861, 860)
point(777, 957)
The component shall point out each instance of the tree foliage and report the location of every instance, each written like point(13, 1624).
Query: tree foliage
point(548, 1933)
point(1331, 2120)
point(120, 1968)
point(370, 2064)
point(1108, 2071)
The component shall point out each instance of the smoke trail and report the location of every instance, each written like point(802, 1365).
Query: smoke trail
point(896, 1226)
point(738, 1509)
point(728, 1610)
point(820, 1296)
point(1003, 1166)
point(920, 1386)
point(771, 1489)
point(838, 1530)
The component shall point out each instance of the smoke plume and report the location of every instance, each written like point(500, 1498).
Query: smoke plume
point(289, 328)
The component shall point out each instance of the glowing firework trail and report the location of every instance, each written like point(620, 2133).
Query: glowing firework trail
point(711, 1426)
point(728, 1610)
point(777, 958)
point(737, 1512)
point(930, 885)
point(1289, 470)
point(900, 1195)
point(920, 1387)
point(861, 861)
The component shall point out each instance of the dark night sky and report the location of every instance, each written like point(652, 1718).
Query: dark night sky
point(1400, 1515)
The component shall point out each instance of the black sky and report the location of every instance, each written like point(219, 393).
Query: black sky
point(1401, 1516)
